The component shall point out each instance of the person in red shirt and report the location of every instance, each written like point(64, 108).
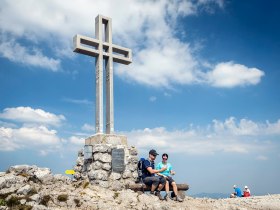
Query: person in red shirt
point(246, 192)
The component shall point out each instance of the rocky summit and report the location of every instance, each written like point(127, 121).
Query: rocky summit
point(31, 187)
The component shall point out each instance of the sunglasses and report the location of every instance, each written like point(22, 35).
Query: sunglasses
point(164, 158)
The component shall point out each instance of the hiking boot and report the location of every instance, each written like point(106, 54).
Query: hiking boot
point(159, 195)
point(177, 198)
point(167, 197)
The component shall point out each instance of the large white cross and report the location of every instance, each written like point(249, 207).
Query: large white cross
point(110, 53)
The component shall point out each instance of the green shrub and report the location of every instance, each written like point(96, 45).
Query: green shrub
point(62, 198)
point(2, 202)
point(85, 184)
point(13, 201)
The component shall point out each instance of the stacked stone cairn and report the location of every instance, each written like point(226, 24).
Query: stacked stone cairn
point(98, 170)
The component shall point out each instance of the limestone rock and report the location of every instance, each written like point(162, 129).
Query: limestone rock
point(133, 160)
point(106, 166)
point(44, 175)
point(80, 161)
point(116, 186)
point(35, 198)
point(133, 151)
point(103, 194)
point(62, 178)
point(98, 175)
point(126, 174)
point(9, 180)
point(105, 158)
point(24, 190)
point(96, 165)
point(101, 148)
point(115, 176)
point(131, 167)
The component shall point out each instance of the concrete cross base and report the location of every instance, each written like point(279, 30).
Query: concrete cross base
point(106, 139)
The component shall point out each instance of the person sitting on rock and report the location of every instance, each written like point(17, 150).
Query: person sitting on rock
point(149, 178)
point(237, 192)
point(246, 192)
point(167, 175)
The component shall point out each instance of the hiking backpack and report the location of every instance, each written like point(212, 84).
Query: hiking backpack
point(140, 170)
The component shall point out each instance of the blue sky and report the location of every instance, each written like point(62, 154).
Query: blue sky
point(203, 86)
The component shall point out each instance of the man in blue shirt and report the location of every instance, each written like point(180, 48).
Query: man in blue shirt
point(149, 178)
point(167, 175)
point(237, 192)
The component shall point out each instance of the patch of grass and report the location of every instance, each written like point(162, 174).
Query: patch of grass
point(45, 200)
point(2, 202)
point(24, 174)
point(85, 184)
point(24, 207)
point(77, 202)
point(116, 194)
point(62, 198)
point(13, 201)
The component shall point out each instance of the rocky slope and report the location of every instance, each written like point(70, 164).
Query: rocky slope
point(30, 187)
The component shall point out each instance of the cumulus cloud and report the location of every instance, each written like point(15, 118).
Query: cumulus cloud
point(77, 140)
point(30, 130)
point(228, 136)
point(88, 127)
point(20, 54)
point(230, 75)
point(30, 115)
point(160, 59)
point(17, 138)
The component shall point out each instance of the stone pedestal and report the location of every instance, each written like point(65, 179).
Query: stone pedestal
point(106, 139)
point(109, 163)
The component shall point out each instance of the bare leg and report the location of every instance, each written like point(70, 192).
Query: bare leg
point(160, 186)
point(167, 187)
point(153, 188)
point(174, 188)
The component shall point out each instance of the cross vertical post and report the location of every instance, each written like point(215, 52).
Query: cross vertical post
point(110, 53)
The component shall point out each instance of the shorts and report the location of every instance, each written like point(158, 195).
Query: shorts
point(154, 180)
point(170, 180)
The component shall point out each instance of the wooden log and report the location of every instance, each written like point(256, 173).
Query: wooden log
point(143, 187)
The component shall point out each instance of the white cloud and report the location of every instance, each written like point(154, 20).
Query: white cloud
point(12, 139)
point(78, 101)
point(20, 54)
point(230, 75)
point(77, 140)
point(262, 157)
point(87, 127)
point(160, 59)
point(30, 115)
point(229, 136)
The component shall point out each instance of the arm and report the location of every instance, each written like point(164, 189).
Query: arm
point(171, 170)
point(153, 171)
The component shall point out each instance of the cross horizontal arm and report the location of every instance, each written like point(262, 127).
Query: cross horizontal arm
point(78, 40)
point(120, 54)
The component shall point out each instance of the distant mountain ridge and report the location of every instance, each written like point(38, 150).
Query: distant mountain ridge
point(211, 195)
